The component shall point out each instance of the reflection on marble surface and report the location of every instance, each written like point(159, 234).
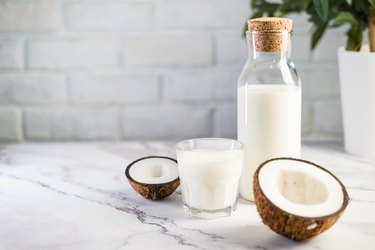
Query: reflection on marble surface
point(75, 196)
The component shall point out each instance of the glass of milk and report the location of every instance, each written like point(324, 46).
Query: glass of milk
point(210, 170)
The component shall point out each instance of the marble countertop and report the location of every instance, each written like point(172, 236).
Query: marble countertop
point(75, 196)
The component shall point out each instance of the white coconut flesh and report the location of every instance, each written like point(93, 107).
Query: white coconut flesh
point(300, 188)
point(154, 170)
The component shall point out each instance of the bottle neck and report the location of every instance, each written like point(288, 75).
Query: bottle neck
point(269, 45)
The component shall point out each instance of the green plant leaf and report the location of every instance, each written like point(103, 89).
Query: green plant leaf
point(361, 6)
point(269, 7)
point(321, 7)
point(335, 3)
point(344, 17)
point(322, 14)
point(354, 40)
point(292, 6)
point(253, 4)
point(306, 4)
point(317, 34)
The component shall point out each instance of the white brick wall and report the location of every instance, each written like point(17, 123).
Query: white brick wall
point(166, 122)
point(130, 69)
point(10, 124)
point(319, 82)
point(327, 117)
point(197, 14)
point(118, 88)
point(113, 16)
point(168, 51)
point(225, 120)
point(231, 49)
point(198, 85)
point(32, 88)
point(29, 16)
point(61, 53)
point(306, 125)
point(71, 123)
point(11, 53)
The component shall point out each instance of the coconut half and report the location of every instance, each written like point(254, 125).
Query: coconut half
point(297, 198)
point(154, 177)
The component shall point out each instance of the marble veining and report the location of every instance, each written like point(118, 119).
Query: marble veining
point(75, 196)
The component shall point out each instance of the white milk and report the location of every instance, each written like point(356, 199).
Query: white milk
point(209, 179)
point(269, 125)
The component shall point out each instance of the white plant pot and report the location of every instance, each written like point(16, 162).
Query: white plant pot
point(357, 79)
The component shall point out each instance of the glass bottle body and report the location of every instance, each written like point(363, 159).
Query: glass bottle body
point(268, 109)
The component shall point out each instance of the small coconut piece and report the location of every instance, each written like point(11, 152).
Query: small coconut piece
point(154, 177)
point(297, 198)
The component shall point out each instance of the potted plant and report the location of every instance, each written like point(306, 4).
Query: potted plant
point(356, 62)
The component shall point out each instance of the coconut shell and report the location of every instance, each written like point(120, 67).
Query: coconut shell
point(289, 225)
point(152, 191)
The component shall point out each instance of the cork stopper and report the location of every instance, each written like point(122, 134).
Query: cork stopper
point(270, 24)
point(270, 34)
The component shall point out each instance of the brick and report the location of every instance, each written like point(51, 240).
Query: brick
point(203, 14)
point(25, 88)
point(114, 88)
point(11, 53)
point(168, 51)
point(326, 50)
point(117, 16)
point(301, 48)
point(300, 22)
point(225, 121)
point(306, 118)
point(301, 39)
point(10, 124)
point(72, 53)
point(301, 51)
point(29, 16)
point(231, 49)
point(319, 81)
point(327, 117)
point(166, 122)
point(194, 85)
point(71, 123)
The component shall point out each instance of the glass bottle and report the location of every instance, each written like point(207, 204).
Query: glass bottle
point(268, 98)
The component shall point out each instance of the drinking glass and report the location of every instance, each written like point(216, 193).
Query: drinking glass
point(210, 170)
